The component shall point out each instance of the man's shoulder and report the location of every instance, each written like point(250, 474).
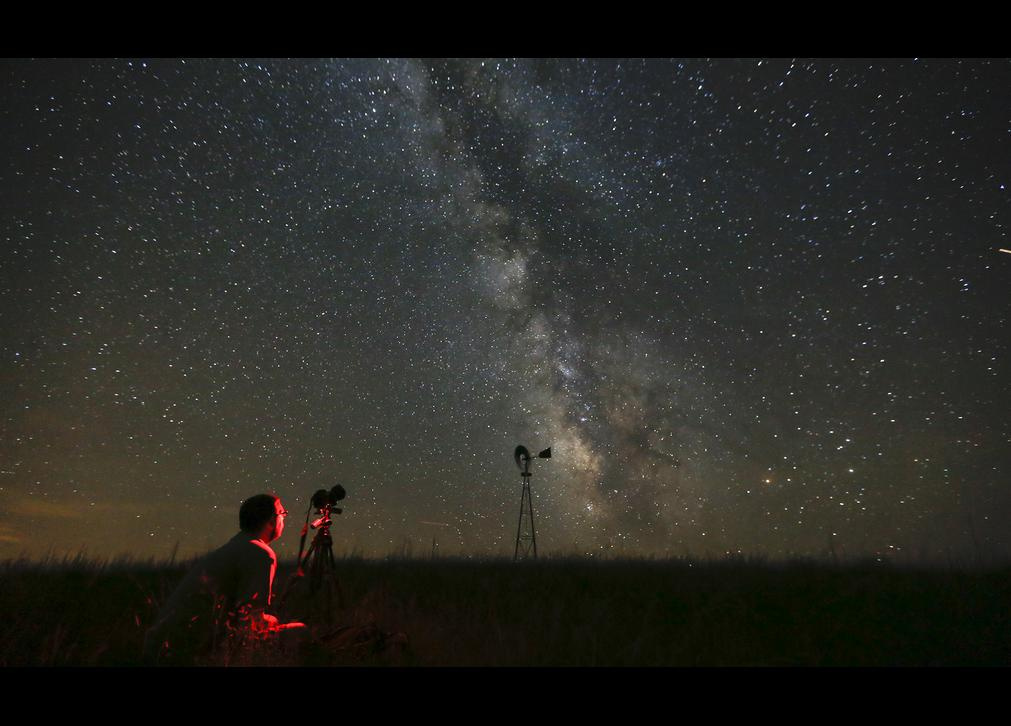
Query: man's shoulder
point(244, 548)
point(265, 548)
point(251, 547)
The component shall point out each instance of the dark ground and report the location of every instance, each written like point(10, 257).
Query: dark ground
point(552, 613)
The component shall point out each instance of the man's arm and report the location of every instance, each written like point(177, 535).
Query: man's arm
point(258, 590)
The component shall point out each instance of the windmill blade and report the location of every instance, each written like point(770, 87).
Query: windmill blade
point(522, 457)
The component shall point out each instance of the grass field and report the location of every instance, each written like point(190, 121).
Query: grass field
point(562, 612)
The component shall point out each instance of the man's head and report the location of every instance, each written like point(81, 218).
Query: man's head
point(262, 516)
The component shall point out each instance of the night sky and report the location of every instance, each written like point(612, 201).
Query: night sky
point(754, 307)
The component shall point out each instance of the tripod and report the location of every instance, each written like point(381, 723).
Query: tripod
point(318, 564)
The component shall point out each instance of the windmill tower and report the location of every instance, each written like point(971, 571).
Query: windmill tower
point(526, 535)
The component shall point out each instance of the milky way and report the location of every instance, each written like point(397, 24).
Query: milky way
point(754, 307)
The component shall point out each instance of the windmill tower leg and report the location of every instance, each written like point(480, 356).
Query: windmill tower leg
point(525, 541)
point(530, 508)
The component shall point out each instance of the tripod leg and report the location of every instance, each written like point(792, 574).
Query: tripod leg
point(316, 570)
point(336, 580)
point(327, 585)
point(297, 575)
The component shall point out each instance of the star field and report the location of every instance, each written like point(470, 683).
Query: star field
point(754, 307)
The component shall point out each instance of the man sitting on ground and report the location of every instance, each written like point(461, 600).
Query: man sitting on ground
point(225, 596)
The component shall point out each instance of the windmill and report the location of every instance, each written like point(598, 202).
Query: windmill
point(526, 538)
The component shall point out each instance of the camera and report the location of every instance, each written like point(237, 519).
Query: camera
point(323, 501)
